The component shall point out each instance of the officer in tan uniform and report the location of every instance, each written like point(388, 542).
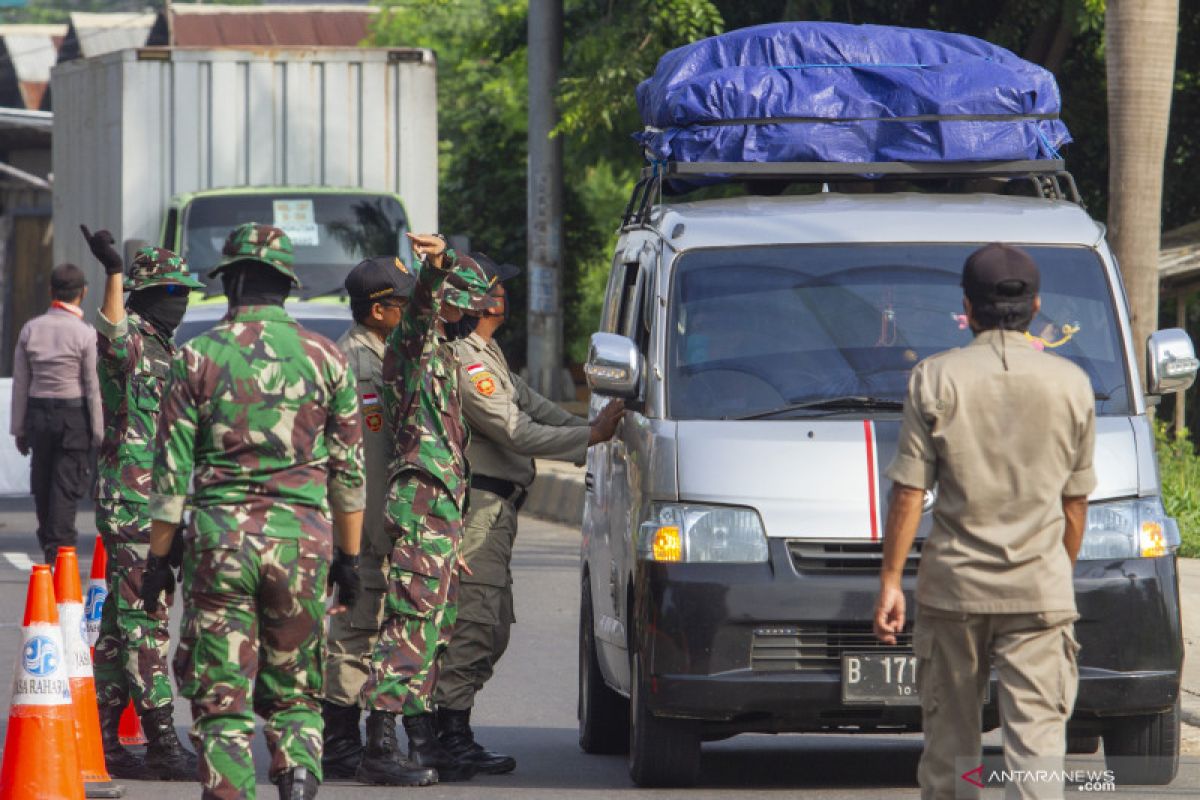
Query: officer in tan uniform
point(378, 289)
point(1006, 434)
point(510, 424)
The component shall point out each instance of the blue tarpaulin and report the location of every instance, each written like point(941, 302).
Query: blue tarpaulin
point(821, 91)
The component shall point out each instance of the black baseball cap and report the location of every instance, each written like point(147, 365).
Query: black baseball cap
point(500, 272)
point(998, 273)
point(380, 278)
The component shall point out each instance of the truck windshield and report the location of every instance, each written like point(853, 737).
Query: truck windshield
point(330, 232)
point(764, 328)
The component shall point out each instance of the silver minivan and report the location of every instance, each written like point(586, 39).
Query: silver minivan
point(731, 533)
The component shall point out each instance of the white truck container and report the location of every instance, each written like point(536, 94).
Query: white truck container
point(137, 132)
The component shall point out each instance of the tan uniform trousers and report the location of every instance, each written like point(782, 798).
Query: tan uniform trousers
point(352, 638)
point(1035, 660)
point(485, 602)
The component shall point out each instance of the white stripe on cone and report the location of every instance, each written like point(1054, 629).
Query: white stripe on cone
point(77, 652)
point(40, 678)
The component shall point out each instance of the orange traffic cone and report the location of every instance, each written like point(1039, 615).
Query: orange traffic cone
point(78, 660)
point(40, 757)
point(130, 729)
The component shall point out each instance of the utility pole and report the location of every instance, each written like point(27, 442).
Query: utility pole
point(544, 348)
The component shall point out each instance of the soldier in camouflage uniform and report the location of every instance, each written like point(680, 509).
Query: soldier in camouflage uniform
point(135, 353)
point(428, 489)
point(378, 289)
point(264, 413)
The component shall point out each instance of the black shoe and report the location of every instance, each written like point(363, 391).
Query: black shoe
point(425, 749)
point(166, 758)
point(120, 762)
point(343, 744)
point(382, 764)
point(454, 731)
point(297, 784)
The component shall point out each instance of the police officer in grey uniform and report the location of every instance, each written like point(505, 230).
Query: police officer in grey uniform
point(379, 289)
point(1006, 433)
point(510, 424)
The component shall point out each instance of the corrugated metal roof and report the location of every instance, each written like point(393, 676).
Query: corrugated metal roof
point(91, 34)
point(27, 52)
point(271, 26)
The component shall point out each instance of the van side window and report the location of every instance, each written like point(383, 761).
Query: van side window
point(630, 290)
point(612, 297)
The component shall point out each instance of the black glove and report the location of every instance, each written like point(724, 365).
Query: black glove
point(343, 573)
point(156, 579)
point(175, 554)
point(101, 244)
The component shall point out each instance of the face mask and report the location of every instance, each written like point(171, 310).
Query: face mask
point(161, 306)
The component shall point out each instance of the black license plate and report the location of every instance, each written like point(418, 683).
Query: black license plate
point(880, 679)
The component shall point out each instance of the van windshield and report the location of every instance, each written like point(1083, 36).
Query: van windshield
point(330, 232)
point(760, 328)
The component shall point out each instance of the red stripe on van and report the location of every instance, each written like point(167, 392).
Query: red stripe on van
point(872, 483)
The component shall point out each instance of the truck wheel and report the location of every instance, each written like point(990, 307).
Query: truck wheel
point(662, 752)
point(1144, 749)
point(603, 714)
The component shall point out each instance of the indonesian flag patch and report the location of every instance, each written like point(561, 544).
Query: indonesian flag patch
point(370, 400)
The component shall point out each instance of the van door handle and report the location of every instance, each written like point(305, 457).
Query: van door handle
point(589, 482)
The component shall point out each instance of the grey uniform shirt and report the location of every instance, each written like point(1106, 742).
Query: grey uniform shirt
point(56, 358)
point(364, 352)
point(511, 423)
point(1003, 446)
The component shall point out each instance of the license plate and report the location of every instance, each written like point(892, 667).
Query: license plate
point(880, 679)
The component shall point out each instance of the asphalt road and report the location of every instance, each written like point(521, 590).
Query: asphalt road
point(528, 709)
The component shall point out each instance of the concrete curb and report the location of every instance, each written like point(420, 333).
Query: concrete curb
point(557, 495)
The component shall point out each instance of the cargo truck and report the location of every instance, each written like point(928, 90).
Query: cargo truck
point(176, 146)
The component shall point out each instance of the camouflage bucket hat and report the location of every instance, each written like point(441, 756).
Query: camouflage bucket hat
point(265, 244)
point(467, 287)
point(157, 266)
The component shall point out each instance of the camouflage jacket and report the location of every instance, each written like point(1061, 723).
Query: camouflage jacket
point(134, 361)
point(420, 393)
point(266, 415)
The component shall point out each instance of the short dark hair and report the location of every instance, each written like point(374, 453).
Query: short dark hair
point(1008, 315)
point(67, 282)
point(360, 309)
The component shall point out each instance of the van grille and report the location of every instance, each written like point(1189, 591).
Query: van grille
point(844, 558)
point(815, 648)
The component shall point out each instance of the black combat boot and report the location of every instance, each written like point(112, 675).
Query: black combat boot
point(454, 731)
point(382, 764)
point(425, 749)
point(166, 758)
point(120, 762)
point(297, 784)
point(343, 745)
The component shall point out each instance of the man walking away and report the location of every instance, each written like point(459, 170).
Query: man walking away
point(1006, 433)
point(56, 413)
point(136, 350)
point(378, 289)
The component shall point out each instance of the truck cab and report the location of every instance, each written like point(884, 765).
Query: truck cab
point(732, 529)
point(331, 229)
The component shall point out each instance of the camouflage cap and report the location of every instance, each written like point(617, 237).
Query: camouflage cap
point(157, 266)
point(468, 287)
point(265, 244)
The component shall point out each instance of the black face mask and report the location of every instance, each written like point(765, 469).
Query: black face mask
point(161, 306)
point(255, 284)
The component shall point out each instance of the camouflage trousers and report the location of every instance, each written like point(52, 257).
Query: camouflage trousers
point(132, 649)
point(254, 609)
point(419, 609)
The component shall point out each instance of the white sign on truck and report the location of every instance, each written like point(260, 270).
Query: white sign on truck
point(135, 128)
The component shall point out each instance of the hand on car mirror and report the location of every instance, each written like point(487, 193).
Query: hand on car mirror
point(101, 244)
point(605, 424)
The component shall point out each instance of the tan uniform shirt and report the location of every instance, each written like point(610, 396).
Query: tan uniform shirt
point(1003, 448)
point(511, 423)
point(364, 350)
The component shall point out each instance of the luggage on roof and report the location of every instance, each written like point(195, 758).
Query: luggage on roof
point(820, 91)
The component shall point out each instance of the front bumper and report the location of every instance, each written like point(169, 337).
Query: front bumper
point(701, 623)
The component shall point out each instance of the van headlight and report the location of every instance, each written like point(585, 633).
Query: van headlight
point(1128, 529)
point(694, 533)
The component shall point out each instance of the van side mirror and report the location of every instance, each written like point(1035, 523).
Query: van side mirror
point(131, 249)
point(1171, 362)
point(614, 366)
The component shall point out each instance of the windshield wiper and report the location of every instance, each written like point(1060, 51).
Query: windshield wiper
point(829, 404)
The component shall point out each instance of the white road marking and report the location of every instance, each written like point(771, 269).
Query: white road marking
point(19, 560)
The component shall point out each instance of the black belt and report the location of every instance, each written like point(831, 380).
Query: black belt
point(55, 402)
point(506, 490)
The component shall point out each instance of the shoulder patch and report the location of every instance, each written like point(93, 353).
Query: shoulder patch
point(374, 421)
point(474, 369)
point(484, 383)
point(370, 400)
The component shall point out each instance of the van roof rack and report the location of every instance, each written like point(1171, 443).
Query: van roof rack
point(1048, 177)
